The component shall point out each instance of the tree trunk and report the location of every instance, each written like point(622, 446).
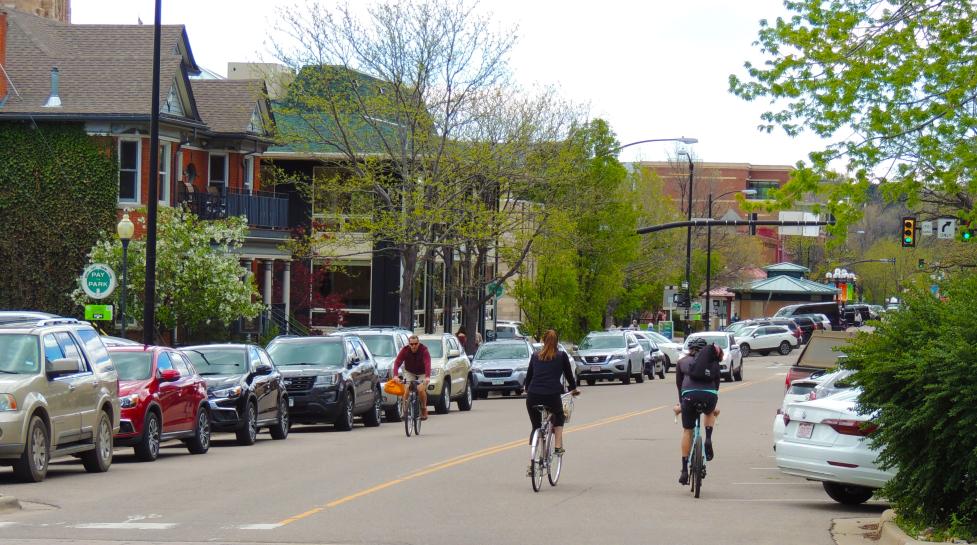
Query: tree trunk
point(409, 264)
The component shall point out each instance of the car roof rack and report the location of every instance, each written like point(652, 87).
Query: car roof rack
point(57, 321)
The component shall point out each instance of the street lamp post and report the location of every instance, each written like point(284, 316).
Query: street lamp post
point(706, 312)
point(125, 229)
point(688, 242)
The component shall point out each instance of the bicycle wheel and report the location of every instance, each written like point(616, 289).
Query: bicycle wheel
point(696, 469)
point(537, 451)
point(417, 414)
point(408, 416)
point(554, 462)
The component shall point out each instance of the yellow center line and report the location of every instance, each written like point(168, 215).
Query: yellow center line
point(488, 451)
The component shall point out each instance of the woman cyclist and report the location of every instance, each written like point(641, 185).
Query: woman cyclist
point(543, 386)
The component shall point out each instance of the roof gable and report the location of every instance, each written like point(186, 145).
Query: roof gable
point(786, 284)
point(232, 106)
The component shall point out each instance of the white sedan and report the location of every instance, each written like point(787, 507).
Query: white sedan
point(827, 440)
point(672, 350)
point(731, 366)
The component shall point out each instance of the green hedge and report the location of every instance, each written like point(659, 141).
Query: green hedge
point(58, 190)
point(919, 370)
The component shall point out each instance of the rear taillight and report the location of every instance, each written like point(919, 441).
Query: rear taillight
point(851, 427)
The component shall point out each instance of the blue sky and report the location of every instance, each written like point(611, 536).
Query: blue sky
point(653, 69)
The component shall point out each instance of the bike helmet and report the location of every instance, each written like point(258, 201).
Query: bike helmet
point(698, 343)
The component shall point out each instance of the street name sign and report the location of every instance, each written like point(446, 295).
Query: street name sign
point(927, 228)
point(98, 281)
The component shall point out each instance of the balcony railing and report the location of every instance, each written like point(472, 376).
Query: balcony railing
point(264, 210)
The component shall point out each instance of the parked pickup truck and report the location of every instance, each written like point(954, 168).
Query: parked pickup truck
point(818, 354)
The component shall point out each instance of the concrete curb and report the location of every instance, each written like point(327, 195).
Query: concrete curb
point(878, 531)
point(9, 503)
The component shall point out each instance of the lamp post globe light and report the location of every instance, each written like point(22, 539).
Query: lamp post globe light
point(125, 230)
point(706, 312)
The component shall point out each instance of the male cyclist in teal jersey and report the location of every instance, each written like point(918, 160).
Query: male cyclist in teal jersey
point(690, 392)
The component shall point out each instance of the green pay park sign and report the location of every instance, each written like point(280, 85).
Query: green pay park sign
point(98, 281)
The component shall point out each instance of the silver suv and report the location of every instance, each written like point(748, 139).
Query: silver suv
point(59, 395)
point(609, 355)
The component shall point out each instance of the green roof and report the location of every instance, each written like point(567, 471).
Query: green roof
point(787, 267)
point(786, 284)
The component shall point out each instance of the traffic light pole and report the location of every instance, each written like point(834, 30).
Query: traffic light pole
point(729, 223)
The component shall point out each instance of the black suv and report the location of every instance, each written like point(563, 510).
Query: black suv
point(330, 379)
point(244, 389)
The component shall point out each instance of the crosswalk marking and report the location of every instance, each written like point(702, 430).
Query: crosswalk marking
point(258, 526)
point(126, 526)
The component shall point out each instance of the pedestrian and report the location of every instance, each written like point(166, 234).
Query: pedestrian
point(735, 318)
point(462, 337)
point(478, 340)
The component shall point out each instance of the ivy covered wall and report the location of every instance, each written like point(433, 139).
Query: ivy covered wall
point(58, 192)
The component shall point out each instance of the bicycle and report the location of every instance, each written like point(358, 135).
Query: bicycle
point(697, 456)
point(412, 410)
point(542, 445)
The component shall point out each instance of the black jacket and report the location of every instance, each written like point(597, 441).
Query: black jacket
point(543, 377)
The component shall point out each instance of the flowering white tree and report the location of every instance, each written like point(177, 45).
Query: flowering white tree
point(199, 279)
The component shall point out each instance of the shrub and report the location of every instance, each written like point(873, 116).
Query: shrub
point(918, 370)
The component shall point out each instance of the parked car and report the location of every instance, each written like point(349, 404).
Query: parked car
point(610, 355)
point(671, 350)
point(110, 341)
point(807, 325)
point(827, 440)
point(765, 339)
point(384, 343)
point(654, 361)
point(245, 391)
point(820, 353)
point(59, 396)
point(508, 330)
point(329, 379)
point(162, 398)
point(828, 308)
point(799, 390)
point(500, 366)
point(451, 373)
point(731, 366)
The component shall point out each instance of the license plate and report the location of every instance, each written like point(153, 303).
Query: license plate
point(498, 381)
point(595, 369)
point(805, 430)
point(291, 402)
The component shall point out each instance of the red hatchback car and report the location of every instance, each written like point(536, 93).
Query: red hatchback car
point(162, 398)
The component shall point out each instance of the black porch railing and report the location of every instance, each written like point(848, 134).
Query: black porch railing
point(264, 210)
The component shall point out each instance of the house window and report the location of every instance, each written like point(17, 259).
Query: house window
point(762, 188)
point(218, 171)
point(129, 162)
point(164, 172)
point(248, 174)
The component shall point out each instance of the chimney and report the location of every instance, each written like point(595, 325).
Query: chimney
point(54, 101)
point(3, 54)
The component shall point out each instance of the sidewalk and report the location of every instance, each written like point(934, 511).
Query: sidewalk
point(875, 531)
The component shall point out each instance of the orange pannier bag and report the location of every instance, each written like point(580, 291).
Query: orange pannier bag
point(394, 388)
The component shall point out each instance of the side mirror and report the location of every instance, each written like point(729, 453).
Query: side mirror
point(62, 366)
point(263, 369)
point(632, 345)
point(754, 335)
point(169, 375)
point(454, 353)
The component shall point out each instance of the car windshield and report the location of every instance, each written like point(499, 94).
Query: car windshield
point(380, 345)
point(19, 355)
point(217, 361)
point(657, 337)
point(503, 352)
point(324, 353)
point(784, 312)
point(737, 327)
point(133, 365)
point(434, 347)
point(598, 342)
point(722, 341)
point(645, 344)
point(801, 388)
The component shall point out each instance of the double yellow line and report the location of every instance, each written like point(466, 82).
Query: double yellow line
point(472, 456)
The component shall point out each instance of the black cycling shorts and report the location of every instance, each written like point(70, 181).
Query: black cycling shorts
point(552, 402)
point(708, 400)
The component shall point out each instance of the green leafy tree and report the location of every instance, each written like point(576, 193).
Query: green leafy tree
point(916, 373)
point(199, 279)
point(58, 190)
point(894, 80)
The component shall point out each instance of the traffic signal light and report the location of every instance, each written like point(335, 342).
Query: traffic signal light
point(966, 232)
point(908, 232)
point(921, 264)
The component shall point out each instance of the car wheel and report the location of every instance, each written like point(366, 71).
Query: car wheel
point(372, 418)
point(147, 449)
point(444, 401)
point(744, 350)
point(344, 420)
point(280, 429)
point(396, 412)
point(465, 403)
point(518, 391)
point(848, 494)
point(738, 375)
point(248, 434)
point(626, 379)
point(785, 348)
point(32, 465)
point(200, 443)
point(591, 381)
point(661, 374)
point(99, 459)
point(666, 365)
point(640, 377)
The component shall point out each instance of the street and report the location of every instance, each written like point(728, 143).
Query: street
point(462, 481)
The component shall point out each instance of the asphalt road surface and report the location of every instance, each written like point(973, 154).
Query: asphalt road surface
point(461, 482)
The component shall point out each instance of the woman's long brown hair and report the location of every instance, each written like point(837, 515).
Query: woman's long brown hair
point(550, 340)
